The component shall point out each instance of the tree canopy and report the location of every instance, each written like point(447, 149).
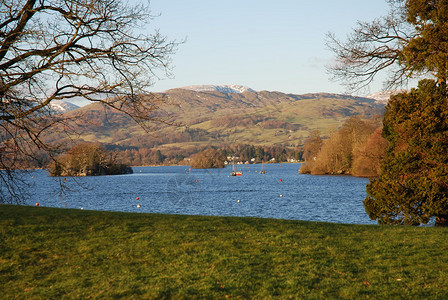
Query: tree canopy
point(413, 184)
point(410, 42)
point(208, 158)
point(87, 160)
point(427, 51)
point(101, 50)
point(347, 151)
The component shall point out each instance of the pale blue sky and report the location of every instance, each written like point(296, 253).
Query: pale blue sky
point(266, 45)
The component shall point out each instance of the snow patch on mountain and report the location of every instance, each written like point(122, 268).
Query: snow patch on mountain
point(383, 97)
point(226, 89)
point(60, 106)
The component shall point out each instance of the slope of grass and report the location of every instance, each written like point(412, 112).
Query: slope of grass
point(204, 110)
point(55, 253)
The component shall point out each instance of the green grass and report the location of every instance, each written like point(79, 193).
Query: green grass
point(202, 110)
point(56, 253)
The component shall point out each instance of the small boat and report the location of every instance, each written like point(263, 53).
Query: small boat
point(235, 172)
point(263, 171)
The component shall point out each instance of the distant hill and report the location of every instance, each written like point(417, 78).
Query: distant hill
point(60, 106)
point(226, 89)
point(213, 115)
point(383, 97)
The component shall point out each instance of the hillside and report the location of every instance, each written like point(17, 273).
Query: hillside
point(60, 106)
point(212, 116)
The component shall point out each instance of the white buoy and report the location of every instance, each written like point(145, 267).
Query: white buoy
point(238, 200)
point(281, 195)
point(138, 206)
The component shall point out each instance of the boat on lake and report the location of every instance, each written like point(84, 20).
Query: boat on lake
point(263, 171)
point(235, 172)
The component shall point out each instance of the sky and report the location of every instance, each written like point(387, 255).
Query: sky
point(265, 45)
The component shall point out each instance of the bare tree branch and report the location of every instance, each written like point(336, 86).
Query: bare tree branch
point(57, 49)
point(372, 48)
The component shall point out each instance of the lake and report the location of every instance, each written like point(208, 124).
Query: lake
point(281, 193)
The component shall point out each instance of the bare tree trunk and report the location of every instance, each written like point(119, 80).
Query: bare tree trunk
point(102, 51)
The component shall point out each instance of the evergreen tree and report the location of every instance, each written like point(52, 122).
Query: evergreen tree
point(413, 186)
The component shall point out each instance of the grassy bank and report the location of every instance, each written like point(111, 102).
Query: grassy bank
point(54, 253)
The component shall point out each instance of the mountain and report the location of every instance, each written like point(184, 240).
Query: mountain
point(383, 96)
point(214, 115)
point(225, 89)
point(60, 106)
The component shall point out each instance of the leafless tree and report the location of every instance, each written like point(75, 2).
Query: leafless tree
point(61, 49)
point(374, 47)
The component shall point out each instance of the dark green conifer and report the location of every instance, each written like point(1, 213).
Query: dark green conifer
point(413, 186)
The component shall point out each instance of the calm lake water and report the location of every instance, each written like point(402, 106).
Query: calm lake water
point(281, 193)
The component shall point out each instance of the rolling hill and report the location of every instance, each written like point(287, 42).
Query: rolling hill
point(215, 115)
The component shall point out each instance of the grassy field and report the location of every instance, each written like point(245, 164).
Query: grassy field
point(55, 253)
